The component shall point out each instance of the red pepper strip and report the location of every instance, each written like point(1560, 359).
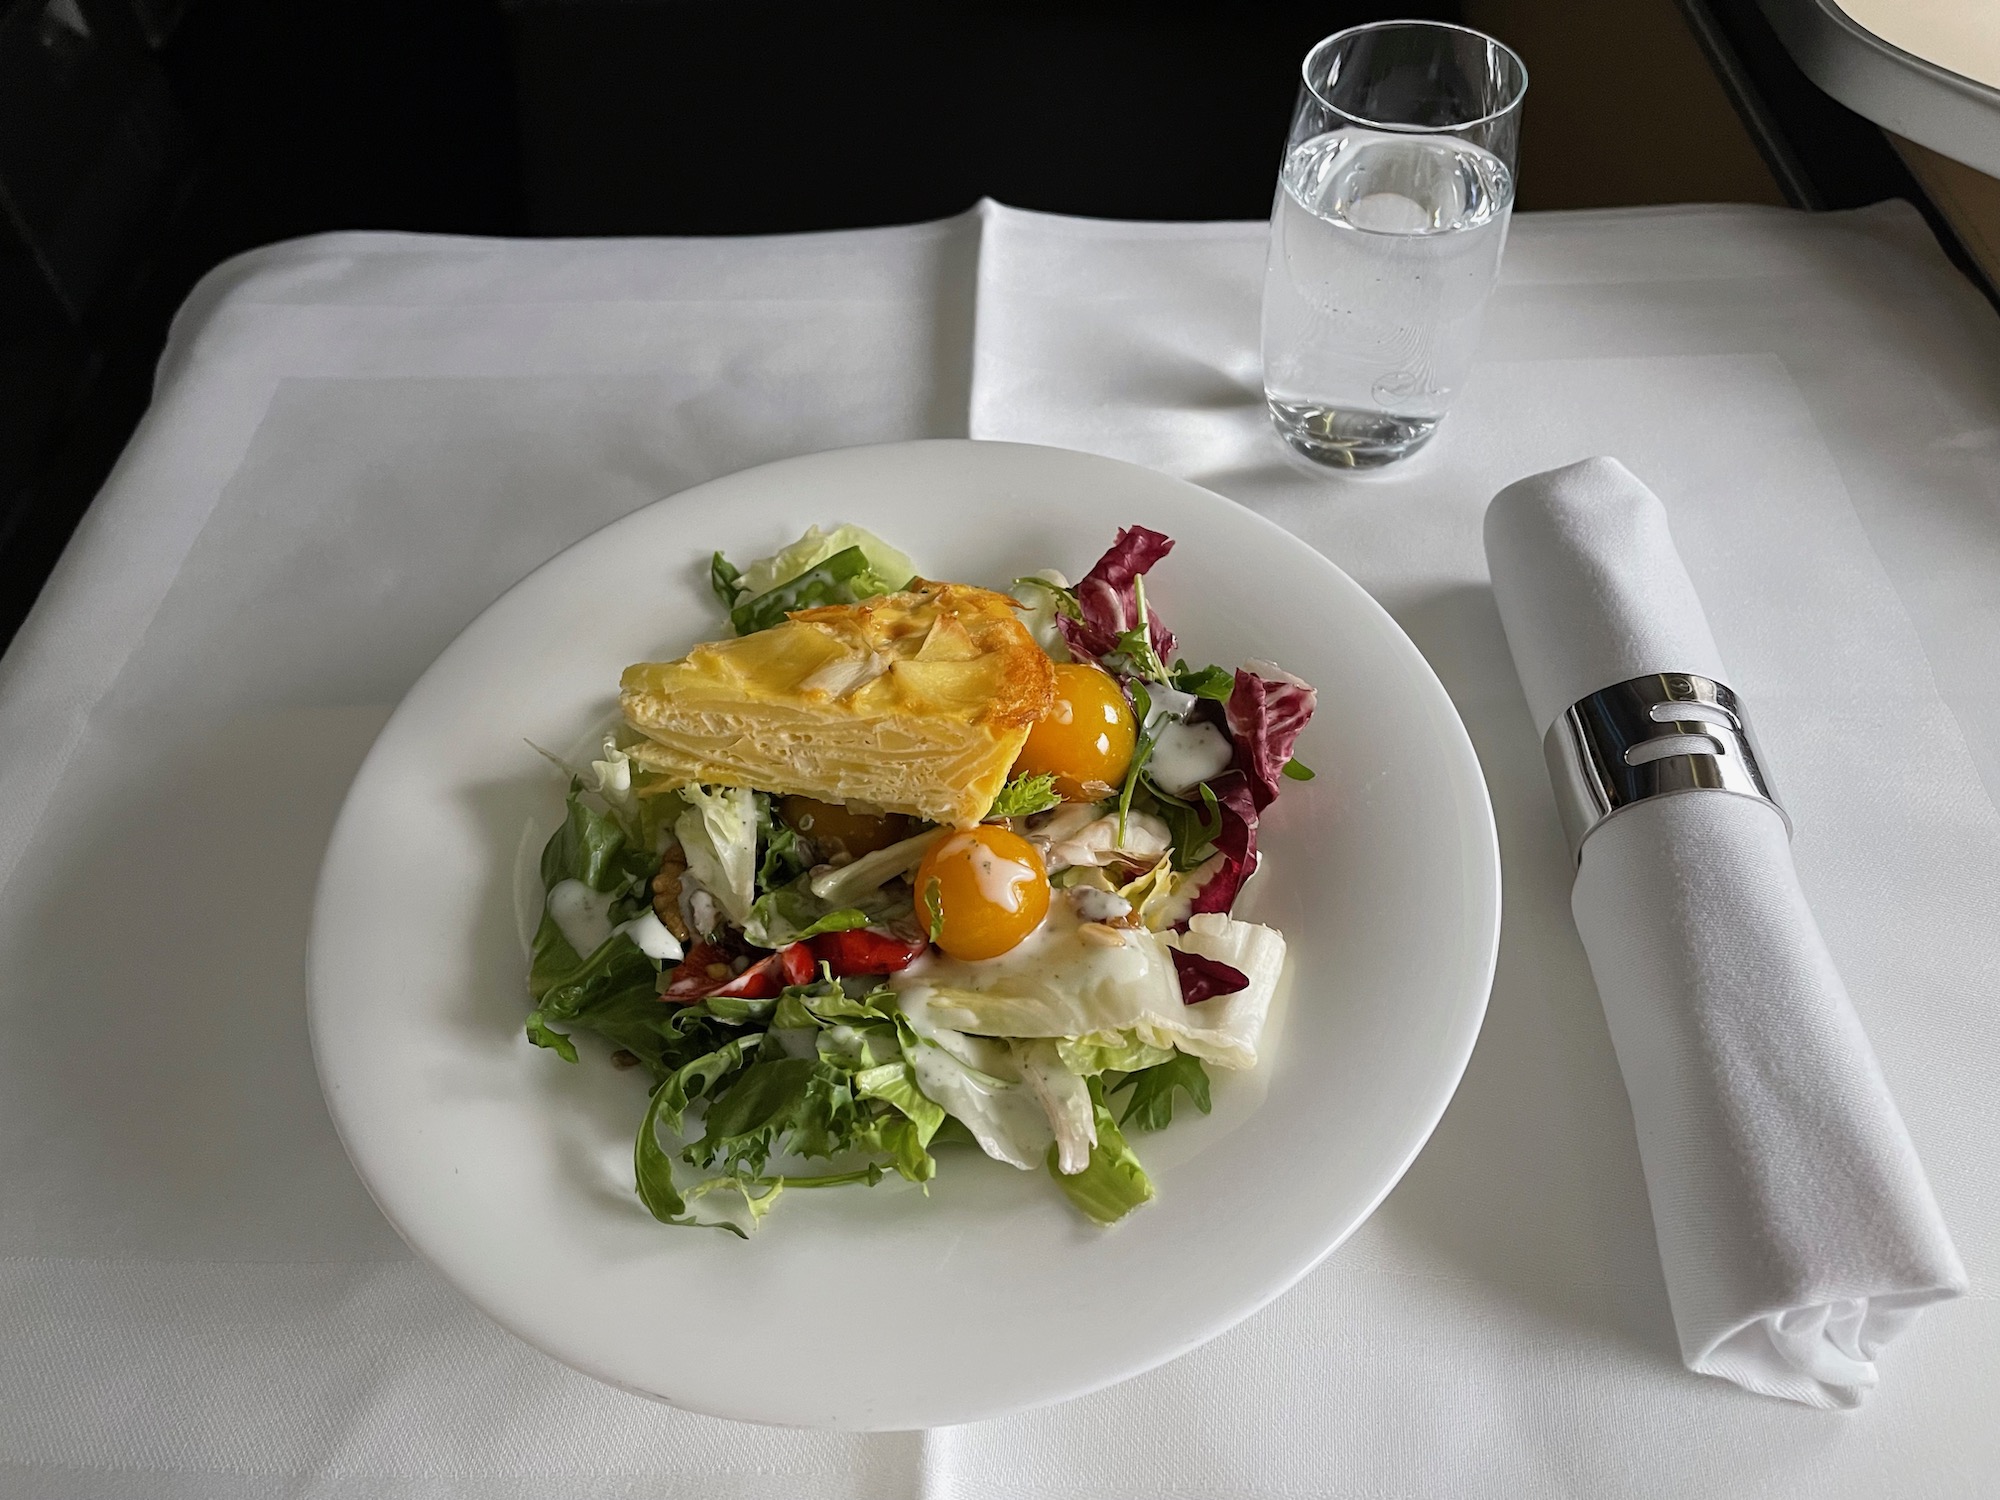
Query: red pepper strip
point(860, 951)
point(763, 979)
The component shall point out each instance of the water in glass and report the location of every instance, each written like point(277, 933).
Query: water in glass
point(1384, 247)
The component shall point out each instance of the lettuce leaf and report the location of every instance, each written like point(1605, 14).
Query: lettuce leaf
point(718, 834)
point(907, 1136)
point(1151, 1105)
point(792, 913)
point(802, 1102)
point(849, 884)
point(1112, 1183)
point(891, 567)
point(1024, 796)
point(591, 846)
point(1265, 716)
point(842, 566)
point(786, 855)
point(1107, 599)
point(612, 992)
point(1110, 1052)
point(1040, 994)
point(1065, 1099)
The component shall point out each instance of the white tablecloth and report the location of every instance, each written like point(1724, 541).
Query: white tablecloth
point(359, 440)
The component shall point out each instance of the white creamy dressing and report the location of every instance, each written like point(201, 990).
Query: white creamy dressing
point(1187, 754)
point(1000, 880)
point(1008, 1122)
point(650, 936)
point(582, 915)
point(1093, 905)
point(1166, 704)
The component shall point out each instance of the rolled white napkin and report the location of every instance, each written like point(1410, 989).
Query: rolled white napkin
point(1796, 1228)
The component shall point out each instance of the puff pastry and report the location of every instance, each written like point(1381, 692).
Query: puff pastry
point(916, 702)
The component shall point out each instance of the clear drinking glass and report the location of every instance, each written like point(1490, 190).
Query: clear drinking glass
point(1391, 212)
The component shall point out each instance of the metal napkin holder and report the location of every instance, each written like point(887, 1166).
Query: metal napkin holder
point(1652, 736)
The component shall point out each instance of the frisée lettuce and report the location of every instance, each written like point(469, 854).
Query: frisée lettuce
point(774, 966)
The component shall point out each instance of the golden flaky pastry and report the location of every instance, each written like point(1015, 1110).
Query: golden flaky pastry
point(915, 702)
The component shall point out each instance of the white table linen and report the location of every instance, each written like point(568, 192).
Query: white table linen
point(359, 440)
point(1797, 1230)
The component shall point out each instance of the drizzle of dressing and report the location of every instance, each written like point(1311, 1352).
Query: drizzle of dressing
point(650, 936)
point(1000, 880)
point(1186, 754)
point(582, 915)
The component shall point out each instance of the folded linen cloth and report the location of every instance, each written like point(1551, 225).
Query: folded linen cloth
point(1796, 1228)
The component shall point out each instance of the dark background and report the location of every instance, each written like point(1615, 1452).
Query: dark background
point(144, 141)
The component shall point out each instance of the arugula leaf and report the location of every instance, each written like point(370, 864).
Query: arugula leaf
point(1025, 796)
point(1210, 682)
point(1151, 1106)
point(1134, 655)
point(1298, 770)
point(1193, 829)
point(847, 577)
point(1142, 751)
point(725, 580)
point(1114, 1183)
point(1064, 599)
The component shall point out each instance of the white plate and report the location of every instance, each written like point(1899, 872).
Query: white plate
point(511, 1170)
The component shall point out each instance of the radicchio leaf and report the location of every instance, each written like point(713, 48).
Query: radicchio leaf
point(1203, 978)
point(1107, 600)
point(1265, 715)
point(1236, 843)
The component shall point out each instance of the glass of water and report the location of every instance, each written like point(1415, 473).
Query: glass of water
point(1386, 234)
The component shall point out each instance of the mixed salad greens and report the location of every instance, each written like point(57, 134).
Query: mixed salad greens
point(799, 979)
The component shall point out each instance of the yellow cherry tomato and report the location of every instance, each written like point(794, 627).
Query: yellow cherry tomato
point(979, 891)
point(1085, 740)
point(838, 829)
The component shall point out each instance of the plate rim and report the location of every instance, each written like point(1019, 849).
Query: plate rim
point(1467, 770)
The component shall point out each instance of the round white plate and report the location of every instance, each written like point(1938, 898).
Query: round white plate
point(881, 1308)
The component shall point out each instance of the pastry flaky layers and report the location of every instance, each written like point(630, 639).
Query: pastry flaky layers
point(915, 702)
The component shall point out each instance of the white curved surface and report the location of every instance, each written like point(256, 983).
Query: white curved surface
point(511, 1171)
point(1925, 69)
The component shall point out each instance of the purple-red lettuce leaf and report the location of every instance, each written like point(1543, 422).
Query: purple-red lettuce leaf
point(1203, 978)
point(1265, 715)
point(1236, 843)
point(1107, 598)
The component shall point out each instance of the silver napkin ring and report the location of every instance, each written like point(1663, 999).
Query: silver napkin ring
point(1653, 736)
